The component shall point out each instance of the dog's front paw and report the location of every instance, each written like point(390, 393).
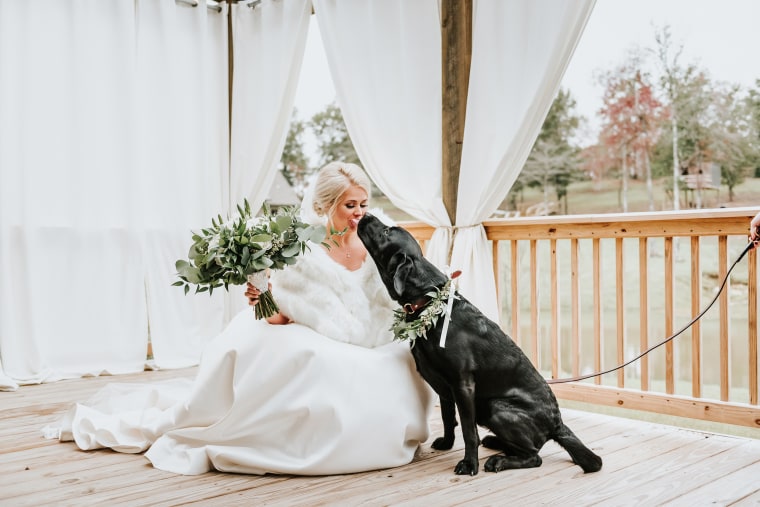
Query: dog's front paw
point(442, 443)
point(466, 467)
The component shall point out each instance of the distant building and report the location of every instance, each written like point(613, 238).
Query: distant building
point(697, 180)
point(281, 193)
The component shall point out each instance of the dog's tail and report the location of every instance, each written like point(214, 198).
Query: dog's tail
point(581, 455)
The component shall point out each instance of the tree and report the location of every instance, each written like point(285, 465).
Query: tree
point(333, 141)
point(294, 163)
point(631, 118)
point(671, 70)
point(733, 140)
point(553, 161)
point(753, 107)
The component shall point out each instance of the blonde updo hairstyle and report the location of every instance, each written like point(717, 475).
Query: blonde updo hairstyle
point(333, 181)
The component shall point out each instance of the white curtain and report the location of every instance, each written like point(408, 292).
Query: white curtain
point(104, 169)
point(114, 146)
point(71, 288)
point(182, 144)
point(269, 43)
point(385, 61)
point(384, 57)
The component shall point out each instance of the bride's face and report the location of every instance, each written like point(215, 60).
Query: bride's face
point(351, 208)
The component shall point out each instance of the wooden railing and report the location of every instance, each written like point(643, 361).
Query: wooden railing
point(585, 293)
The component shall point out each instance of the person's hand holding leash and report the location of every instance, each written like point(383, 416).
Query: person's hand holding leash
point(754, 230)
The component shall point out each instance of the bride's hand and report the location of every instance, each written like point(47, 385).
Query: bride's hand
point(252, 293)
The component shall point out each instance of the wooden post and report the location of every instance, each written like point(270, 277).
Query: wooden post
point(456, 53)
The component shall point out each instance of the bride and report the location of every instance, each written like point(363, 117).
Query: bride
point(319, 388)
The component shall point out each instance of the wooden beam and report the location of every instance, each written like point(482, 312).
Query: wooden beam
point(456, 54)
point(668, 404)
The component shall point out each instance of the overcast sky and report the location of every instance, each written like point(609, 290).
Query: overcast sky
point(721, 36)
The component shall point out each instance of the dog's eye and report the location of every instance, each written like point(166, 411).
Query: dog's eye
point(386, 231)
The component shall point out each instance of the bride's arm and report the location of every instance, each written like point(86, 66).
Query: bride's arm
point(278, 319)
point(252, 293)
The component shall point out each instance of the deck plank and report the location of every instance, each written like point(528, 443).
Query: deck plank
point(644, 464)
point(738, 483)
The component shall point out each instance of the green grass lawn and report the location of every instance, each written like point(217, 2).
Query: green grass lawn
point(588, 197)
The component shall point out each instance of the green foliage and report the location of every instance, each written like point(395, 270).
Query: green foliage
point(228, 251)
point(752, 104)
point(553, 161)
point(404, 329)
point(333, 141)
point(294, 163)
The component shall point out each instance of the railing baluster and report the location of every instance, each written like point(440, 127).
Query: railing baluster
point(576, 307)
point(669, 280)
point(597, 309)
point(496, 278)
point(752, 323)
point(534, 303)
point(644, 310)
point(555, 309)
point(620, 310)
point(724, 327)
point(515, 293)
point(696, 329)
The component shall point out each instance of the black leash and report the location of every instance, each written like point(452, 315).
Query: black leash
point(749, 247)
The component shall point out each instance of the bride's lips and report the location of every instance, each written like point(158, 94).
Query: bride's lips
point(354, 223)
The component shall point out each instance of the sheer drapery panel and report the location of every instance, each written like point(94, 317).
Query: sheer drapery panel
point(269, 43)
point(114, 145)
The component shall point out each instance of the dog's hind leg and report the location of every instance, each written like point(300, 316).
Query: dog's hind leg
point(499, 462)
point(515, 434)
point(581, 455)
point(518, 449)
point(493, 442)
point(448, 416)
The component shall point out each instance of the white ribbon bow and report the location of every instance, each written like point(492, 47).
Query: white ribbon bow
point(449, 306)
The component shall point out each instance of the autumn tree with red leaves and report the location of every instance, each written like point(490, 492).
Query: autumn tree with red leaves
point(631, 123)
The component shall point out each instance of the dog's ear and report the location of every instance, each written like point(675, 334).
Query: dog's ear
point(401, 266)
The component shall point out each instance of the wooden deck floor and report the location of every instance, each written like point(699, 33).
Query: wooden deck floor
point(644, 464)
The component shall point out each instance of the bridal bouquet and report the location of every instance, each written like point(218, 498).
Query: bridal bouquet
point(244, 249)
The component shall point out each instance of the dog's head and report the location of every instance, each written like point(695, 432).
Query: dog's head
point(405, 272)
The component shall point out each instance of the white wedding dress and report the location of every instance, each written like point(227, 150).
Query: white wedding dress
point(330, 394)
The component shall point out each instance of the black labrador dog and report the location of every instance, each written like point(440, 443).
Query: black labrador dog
point(480, 371)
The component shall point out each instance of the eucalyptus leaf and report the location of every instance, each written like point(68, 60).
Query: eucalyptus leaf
point(284, 222)
point(261, 238)
point(291, 250)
